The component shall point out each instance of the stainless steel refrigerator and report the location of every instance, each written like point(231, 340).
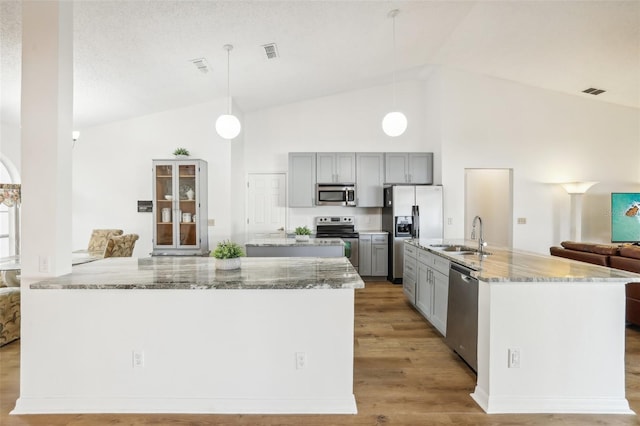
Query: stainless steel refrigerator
point(410, 211)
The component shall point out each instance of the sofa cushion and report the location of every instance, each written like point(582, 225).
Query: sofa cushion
point(583, 256)
point(630, 251)
point(9, 314)
point(625, 263)
point(606, 249)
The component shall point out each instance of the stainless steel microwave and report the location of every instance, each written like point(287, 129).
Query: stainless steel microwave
point(335, 195)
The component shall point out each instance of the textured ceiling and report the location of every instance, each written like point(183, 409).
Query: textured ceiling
point(133, 57)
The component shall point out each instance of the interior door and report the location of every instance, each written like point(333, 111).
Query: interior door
point(489, 194)
point(266, 212)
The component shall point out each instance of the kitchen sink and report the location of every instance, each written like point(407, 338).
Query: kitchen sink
point(458, 249)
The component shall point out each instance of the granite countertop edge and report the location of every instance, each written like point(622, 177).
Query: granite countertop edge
point(197, 273)
point(505, 265)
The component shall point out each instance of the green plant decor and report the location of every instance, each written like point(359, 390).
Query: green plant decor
point(303, 230)
point(181, 151)
point(227, 250)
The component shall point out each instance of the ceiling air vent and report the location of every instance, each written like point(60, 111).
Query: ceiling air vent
point(593, 91)
point(201, 64)
point(271, 50)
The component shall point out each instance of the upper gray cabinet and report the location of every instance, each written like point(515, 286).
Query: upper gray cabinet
point(302, 179)
point(336, 167)
point(409, 167)
point(369, 179)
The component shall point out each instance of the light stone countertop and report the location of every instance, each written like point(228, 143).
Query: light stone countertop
point(199, 273)
point(291, 242)
point(507, 265)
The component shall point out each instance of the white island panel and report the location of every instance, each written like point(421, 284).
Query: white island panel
point(570, 337)
point(226, 343)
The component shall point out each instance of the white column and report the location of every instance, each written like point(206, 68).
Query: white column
point(576, 217)
point(46, 119)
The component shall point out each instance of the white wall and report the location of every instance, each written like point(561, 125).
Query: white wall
point(344, 122)
point(467, 120)
point(546, 137)
point(112, 171)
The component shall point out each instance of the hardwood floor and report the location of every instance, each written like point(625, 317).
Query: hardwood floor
point(404, 375)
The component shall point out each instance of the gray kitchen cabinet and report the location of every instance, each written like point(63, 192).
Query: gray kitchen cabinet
point(302, 179)
point(369, 179)
point(373, 260)
point(364, 250)
point(379, 255)
point(432, 292)
point(410, 273)
point(409, 167)
point(335, 167)
point(424, 289)
point(180, 208)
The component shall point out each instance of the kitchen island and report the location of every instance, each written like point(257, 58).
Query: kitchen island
point(564, 319)
point(174, 335)
point(289, 247)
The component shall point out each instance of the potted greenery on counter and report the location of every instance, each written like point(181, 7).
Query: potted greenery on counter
point(227, 254)
point(302, 233)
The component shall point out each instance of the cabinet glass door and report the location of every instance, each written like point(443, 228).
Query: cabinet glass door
point(164, 200)
point(187, 205)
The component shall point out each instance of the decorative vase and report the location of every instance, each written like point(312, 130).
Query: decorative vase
point(181, 156)
point(190, 194)
point(227, 264)
point(302, 238)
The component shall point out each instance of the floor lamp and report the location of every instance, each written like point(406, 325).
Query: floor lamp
point(576, 190)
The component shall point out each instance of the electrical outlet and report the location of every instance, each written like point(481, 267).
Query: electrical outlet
point(43, 264)
point(449, 221)
point(522, 221)
point(138, 359)
point(211, 222)
point(301, 360)
point(514, 358)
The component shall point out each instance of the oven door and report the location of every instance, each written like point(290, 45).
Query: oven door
point(332, 195)
point(351, 250)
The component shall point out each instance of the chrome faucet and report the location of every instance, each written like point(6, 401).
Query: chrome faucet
point(481, 243)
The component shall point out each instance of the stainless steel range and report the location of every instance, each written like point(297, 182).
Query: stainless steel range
point(342, 227)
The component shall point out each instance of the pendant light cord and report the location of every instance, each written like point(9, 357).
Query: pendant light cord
point(393, 14)
point(228, 47)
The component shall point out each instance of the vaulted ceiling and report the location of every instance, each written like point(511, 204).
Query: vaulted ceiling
point(134, 57)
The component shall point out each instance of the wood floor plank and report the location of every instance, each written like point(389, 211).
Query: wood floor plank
point(404, 374)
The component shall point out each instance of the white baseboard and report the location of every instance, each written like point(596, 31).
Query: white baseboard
point(536, 404)
point(26, 405)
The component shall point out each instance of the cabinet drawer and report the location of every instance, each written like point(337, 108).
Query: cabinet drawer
point(410, 250)
point(410, 269)
point(425, 257)
point(441, 264)
point(365, 237)
point(378, 239)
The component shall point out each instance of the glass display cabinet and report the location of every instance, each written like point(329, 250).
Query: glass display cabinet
point(180, 208)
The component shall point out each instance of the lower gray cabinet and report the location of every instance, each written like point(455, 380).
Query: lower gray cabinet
point(374, 254)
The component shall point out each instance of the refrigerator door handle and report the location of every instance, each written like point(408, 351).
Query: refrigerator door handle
point(415, 219)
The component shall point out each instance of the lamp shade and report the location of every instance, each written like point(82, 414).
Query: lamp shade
point(577, 187)
point(228, 126)
point(394, 123)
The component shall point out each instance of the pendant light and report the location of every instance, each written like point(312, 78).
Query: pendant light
point(395, 122)
point(227, 125)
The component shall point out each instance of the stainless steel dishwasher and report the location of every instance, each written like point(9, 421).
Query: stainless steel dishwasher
point(462, 314)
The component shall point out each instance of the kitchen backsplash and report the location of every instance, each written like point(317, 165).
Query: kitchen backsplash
point(366, 218)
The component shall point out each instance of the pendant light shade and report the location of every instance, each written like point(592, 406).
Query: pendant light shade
point(394, 123)
point(227, 125)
